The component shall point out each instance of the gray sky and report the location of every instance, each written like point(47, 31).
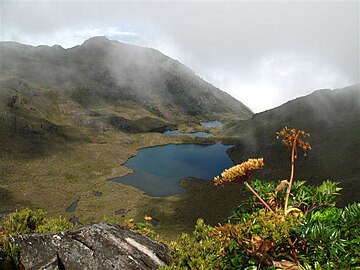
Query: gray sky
point(261, 52)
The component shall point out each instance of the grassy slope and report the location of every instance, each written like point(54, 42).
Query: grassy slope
point(332, 118)
point(51, 169)
point(70, 118)
point(53, 181)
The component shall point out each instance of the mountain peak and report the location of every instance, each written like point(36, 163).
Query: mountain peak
point(98, 40)
point(104, 72)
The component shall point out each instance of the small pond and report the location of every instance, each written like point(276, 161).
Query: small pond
point(192, 134)
point(158, 170)
point(72, 207)
point(212, 124)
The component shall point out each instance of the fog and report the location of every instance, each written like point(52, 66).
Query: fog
point(262, 53)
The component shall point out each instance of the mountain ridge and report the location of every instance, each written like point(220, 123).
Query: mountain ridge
point(332, 119)
point(48, 93)
point(164, 86)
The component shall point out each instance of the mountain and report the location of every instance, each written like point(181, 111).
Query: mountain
point(104, 72)
point(101, 85)
point(332, 117)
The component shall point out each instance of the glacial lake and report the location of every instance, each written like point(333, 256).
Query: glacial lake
point(192, 134)
point(158, 170)
point(212, 124)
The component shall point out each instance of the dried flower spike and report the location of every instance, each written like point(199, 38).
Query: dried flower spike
point(239, 173)
point(293, 139)
point(290, 136)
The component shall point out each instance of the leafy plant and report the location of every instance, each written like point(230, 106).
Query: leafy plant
point(286, 225)
point(331, 238)
point(144, 228)
point(54, 225)
point(198, 250)
point(23, 222)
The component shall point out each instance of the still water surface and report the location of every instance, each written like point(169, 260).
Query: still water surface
point(158, 170)
point(212, 124)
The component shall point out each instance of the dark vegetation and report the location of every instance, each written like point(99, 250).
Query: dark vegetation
point(331, 115)
point(70, 118)
point(286, 225)
point(24, 222)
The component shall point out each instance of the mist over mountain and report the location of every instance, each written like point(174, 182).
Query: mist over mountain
point(104, 72)
point(332, 119)
point(101, 85)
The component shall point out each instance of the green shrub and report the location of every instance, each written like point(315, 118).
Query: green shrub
point(254, 238)
point(146, 229)
point(331, 238)
point(29, 221)
point(24, 221)
point(54, 225)
point(199, 250)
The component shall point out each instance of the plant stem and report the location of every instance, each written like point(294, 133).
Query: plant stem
point(292, 172)
point(258, 196)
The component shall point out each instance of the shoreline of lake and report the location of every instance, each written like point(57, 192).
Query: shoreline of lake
point(148, 175)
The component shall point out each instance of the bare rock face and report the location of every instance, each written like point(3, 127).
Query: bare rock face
point(98, 246)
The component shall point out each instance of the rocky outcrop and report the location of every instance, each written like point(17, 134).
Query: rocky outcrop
point(98, 246)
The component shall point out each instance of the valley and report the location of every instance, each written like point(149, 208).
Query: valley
point(79, 170)
point(71, 118)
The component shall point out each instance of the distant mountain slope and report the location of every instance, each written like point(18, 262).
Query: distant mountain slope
point(101, 72)
point(333, 119)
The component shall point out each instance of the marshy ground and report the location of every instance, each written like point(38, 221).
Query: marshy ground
point(79, 170)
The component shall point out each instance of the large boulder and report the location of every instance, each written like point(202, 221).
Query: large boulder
point(97, 246)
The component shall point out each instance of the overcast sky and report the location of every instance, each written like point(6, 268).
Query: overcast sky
point(261, 52)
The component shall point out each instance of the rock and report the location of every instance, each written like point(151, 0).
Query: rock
point(126, 139)
point(97, 246)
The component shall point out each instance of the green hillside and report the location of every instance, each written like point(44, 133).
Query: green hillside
point(70, 119)
point(333, 119)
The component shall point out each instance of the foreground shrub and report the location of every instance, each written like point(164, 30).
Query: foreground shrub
point(198, 250)
point(286, 225)
point(331, 238)
point(30, 221)
point(145, 227)
point(23, 222)
point(54, 225)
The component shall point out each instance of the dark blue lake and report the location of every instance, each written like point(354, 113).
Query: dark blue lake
point(158, 170)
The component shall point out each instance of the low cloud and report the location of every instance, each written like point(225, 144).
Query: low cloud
point(263, 53)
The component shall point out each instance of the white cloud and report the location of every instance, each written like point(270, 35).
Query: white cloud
point(263, 53)
point(69, 37)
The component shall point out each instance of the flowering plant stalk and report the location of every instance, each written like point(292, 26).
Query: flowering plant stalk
point(240, 174)
point(292, 139)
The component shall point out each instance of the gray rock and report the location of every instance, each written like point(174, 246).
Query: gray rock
point(98, 246)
